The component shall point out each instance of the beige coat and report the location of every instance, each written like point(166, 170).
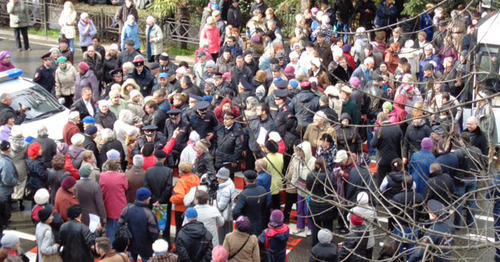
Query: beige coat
point(235, 240)
point(157, 36)
point(67, 22)
point(313, 134)
point(65, 81)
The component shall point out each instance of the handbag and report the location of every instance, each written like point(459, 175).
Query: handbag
point(50, 258)
point(123, 231)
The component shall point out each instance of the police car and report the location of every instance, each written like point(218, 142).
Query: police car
point(43, 107)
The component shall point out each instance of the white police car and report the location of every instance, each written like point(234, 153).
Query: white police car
point(43, 108)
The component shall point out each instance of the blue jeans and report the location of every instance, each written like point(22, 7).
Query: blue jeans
point(497, 235)
point(111, 228)
point(408, 233)
point(369, 136)
point(71, 44)
point(470, 185)
point(343, 27)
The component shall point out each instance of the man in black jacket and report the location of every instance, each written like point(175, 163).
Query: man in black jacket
point(84, 105)
point(252, 202)
point(194, 241)
point(439, 186)
point(158, 179)
point(478, 139)
point(234, 16)
point(354, 247)
point(90, 144)
point(229, 141)
point(150, 136)
point(387, 140)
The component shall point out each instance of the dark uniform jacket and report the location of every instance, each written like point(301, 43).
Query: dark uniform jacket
point(159, 142)
point(202, 125)
point(45, 77)
point(169, 67)
point(157, 119)
point(183, 136)
point(145, 80)
point(280, 119)
point(252, 202)
point(159, 180)
point(229, 145)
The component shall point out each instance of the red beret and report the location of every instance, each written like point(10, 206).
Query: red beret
point(33, 149)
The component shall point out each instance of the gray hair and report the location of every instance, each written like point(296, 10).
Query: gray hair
point(108, 134)
point(43, 131)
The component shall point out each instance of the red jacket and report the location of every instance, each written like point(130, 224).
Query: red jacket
point(63, 201)
point(113, 186)
point(184, 184)
point(149, 161)
point(68, 167)
point(213, 36)
point(69, 130)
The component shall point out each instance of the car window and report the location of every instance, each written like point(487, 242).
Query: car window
point(41, 104)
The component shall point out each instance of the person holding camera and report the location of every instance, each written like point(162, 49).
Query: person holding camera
point(5, 108)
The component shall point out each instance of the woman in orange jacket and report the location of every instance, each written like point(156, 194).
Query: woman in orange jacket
point(186, 181)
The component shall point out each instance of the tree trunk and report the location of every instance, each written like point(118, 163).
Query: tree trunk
point(184, 17)
point(304, 5)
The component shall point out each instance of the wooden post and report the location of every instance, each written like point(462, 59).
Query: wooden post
point(45, 17)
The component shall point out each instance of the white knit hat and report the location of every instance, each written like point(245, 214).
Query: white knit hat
point(77, 139)
point(41, 196)
point(160, 246)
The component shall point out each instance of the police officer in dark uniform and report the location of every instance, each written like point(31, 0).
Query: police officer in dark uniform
point(439, 234)
point(220, 89)
point(173, 122)
point(244, 91)
point(150, 136)
point(203, 121)
point(117, 78)
point(271, 100)
point(44, 74)
point(281, 100)
point(192, 101)
point(229, 140)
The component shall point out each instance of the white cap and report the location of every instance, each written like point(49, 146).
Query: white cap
point(341, 156)
point(133, 93)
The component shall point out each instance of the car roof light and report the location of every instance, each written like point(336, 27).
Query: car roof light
point(10, 74)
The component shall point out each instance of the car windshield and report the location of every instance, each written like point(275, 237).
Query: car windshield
point(40, 103)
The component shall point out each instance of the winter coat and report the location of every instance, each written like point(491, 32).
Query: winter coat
point(67, 22)
point(157, 36)
point(45, 240)
point(274, 240)
point(37, 173)
point(204, 164)
point(413, 138)
point(313, 134)
point(184, 184)
point(369, 214)
point(385, 15)
point(234, 17)
point(348, 137)
point(130, 31)
point(19, 153)
point(108, 65)
point(391, 185)
point(408, 205)
point(387, 141)
point(69, 130)
point(145, 80)
point(8, 175)
point(479, 140)
point(159, 180)
point(123, 12)
point(49, 149)
point(194, 243)
point(86, 32)
point(359, 180)
point(351, 107)
point(448, 162)
point(64, 200)
point(114, 144)
point(76, 154)
point(89, 80)
point(440, 187)
point(89, 196)
point(124, 56)
point(252, 203)
point(5, 67)
point(213, 37)
point(105, 120)
point(343, 10)
point(135, 178)
point(224, 66)
point(76, 240)
point(95, 63)
point(319, 184)
point(66, 81)
point(419, 166)
point(304, 105)
point(55, 178)
point(355, 246)
point(225, 199)
point(113, 186)
point(143, 226)
point(229, 144)
point(234, 241)
point(18, 14)
point(324, 253)
point(301, 168)
point(211, 219)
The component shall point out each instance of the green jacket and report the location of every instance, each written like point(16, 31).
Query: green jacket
point(18, 13)
point(351, 108)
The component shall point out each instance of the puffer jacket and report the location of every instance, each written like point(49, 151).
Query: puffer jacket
point(184, 184)
point(274, 240)
point(348, 137)
point(194, 243)
point(86, 33)
point(65, 81)
point(67, 22)
point(18, 14)
point(302, 167)
point(213, 37)
point(225, 199)
point(19, 153)
point(304, 105)
point(130, 31)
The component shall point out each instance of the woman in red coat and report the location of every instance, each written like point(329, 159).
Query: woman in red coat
point(65, 197)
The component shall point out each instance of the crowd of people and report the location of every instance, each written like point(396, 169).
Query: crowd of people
point(302, 118)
